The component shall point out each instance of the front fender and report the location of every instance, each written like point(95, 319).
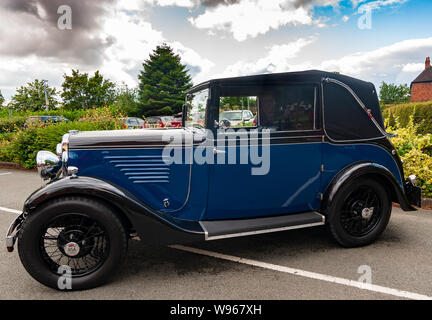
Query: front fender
point(152, 227)
point(356, 170)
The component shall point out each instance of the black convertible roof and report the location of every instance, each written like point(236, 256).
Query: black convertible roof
point(300, 76)
point(364, 90)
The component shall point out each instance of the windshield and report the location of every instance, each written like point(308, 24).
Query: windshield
point(231, 115)
point(196, 108)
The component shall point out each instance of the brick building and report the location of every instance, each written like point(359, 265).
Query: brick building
point(421, 87)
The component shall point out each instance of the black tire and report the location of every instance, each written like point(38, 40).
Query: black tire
point(347, 217)
point(101, 223)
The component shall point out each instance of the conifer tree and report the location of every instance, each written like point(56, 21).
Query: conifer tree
point(162, 83)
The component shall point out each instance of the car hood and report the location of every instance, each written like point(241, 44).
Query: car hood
point(127, 138)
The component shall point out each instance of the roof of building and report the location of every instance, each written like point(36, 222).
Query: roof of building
point(425, 76)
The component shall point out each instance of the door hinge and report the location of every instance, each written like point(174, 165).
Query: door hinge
point(322, 168)
point(320, 196)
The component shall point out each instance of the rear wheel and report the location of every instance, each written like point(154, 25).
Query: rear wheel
point(359, 213)
point(72, 243)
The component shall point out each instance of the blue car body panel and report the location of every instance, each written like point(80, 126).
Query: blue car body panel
point(287, 187)
point(336, 157)
point(219, 192)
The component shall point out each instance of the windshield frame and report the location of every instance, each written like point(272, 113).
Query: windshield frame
point(198, 88)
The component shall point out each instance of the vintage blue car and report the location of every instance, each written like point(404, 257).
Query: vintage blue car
point(316, 153)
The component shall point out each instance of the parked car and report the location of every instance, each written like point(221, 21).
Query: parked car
point(133, 123)
point(158, 122)
point(237, 117)
point(176, 122)
point(32, 120)
point(329, 162)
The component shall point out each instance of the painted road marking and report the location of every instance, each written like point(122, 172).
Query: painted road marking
point(5, 173)
point(307, 274)
point(10, 210)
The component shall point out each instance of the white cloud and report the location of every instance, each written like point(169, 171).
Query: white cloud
point(388, 60)
point(400, 62)
point(413, 67)
point(276, 60)
point(249, 18)
point(132, 41)
point(128, 40)
point(377, 4)
point(191, 58)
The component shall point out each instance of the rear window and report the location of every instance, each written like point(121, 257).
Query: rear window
point(344, 117)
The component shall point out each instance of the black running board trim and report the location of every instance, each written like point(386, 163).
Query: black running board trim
point(222, 229)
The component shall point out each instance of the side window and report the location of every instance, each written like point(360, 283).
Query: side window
point(274, 107)
point(288, 108)
point(196, 108)
point(239, 111)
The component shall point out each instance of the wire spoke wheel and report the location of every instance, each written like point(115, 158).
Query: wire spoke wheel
point(361, 211)
point(76, 241)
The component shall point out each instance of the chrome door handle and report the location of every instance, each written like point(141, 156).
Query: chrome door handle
point(216, 151)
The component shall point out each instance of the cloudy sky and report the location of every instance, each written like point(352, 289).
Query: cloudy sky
point(215, 38)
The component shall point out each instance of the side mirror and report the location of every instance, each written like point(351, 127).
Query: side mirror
point(225, 124)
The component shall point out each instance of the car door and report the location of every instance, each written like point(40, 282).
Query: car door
point(288, 141)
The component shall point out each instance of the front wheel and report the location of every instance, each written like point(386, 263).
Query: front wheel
point(72, 243)
point(359, 213)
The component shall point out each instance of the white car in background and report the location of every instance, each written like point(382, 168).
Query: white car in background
point(237, 117)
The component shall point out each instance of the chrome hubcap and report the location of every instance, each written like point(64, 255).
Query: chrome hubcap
point(71, 249)
point(367, 213)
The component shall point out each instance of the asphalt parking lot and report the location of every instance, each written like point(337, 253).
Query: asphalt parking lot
point(299, 264)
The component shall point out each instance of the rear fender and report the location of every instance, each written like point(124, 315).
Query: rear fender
point(375, 171)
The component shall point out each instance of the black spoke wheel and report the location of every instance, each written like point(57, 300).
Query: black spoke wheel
point(359, 212)
point(75, 241)
point(77, 236)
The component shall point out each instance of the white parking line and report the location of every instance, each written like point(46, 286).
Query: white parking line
point(5, 173)
point(307, 274)
point(10, 210)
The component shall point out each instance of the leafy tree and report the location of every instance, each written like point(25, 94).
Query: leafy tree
point(127, 100)
point(32, 97)
point(2, 99)
point(81, 91)
point(392, 93)
point(237, 103)
point(162, 83)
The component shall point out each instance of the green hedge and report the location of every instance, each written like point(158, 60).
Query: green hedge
point(21, 147)
point(421, 111)
point(11, 124)
point(72, 115)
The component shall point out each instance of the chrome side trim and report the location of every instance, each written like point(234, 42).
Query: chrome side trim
point(249, 233)
point(205, 230)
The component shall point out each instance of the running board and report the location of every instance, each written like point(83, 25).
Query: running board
point(221, 229)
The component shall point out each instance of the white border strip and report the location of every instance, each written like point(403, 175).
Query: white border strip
point(10, 210)
point(307, 274)
point(5, 173)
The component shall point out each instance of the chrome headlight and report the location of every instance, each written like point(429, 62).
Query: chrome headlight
point(47, 164)
point(413, 179)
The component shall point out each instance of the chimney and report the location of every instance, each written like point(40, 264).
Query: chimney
point(428, 62)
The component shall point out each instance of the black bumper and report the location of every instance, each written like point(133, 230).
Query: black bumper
point(413, 194)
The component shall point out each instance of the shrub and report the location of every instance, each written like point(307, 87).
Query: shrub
point(21, 146)
point(11, 124)
point(27, 142)
point(415, 151)
point(421, 112)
